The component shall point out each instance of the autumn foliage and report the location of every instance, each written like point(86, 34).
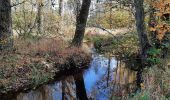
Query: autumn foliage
point(159, 23)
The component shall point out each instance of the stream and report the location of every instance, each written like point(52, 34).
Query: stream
point(105, 79)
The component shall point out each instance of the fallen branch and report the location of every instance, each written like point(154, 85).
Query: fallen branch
point(114, 36)
point(99, 27)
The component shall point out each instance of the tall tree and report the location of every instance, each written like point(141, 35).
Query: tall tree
point(5, 24)
point(144, 42)
point(40, 17)
point(81, 23)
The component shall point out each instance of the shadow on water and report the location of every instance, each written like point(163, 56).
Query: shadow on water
point(105, 79)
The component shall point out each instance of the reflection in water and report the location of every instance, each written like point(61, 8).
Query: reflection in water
point(68, 89)
point(124, 80)
point(80, 87)
point(43, 93)
point(105, 79)
point(114, 79)
point(64, 90)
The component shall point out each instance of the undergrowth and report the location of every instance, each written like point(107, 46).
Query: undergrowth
point(35, 62)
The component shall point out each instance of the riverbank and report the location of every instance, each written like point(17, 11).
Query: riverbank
point(97, 81)
point(33, 63)
point(156, 81)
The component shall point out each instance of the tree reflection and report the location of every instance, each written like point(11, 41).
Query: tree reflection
point(74, 88)
point(124, 81)
point(80, 87)
point(68, 89)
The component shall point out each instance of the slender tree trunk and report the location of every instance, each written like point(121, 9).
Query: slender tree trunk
point(5, 24)
point(81, 23)
point(144, 43)
point(61, 17)
point(40, 17)
point(60, 7)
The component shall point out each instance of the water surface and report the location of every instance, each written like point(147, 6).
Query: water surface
point(104, 79)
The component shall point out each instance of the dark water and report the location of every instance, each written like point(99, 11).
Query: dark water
point(104, 80)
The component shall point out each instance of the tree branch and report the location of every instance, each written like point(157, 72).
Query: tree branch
point(16, 4)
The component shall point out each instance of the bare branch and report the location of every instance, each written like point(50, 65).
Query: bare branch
point(16, 4)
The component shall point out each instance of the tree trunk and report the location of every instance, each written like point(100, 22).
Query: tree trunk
point(40, 17)
point(61, 17)
point(81, 23)
point(144, 42)
point(60, 7)
point(5, 25)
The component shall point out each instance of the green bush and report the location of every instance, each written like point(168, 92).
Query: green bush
point(154, 56)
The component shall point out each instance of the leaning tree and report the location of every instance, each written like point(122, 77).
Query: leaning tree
point(81, 23)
